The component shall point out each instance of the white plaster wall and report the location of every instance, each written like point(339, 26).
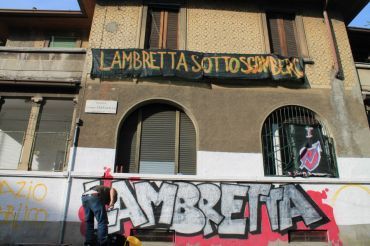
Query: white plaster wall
point(353, 168)
point(211, 164)
point(225, 164)
point(92, 159)
point(350, 203)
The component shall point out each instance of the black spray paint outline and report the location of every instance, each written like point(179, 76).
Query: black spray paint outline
point(157, 189)
point(245, 200)
point(235, 216)
point(217, 208)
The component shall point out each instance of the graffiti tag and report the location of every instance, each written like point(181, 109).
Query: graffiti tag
point(228, 210)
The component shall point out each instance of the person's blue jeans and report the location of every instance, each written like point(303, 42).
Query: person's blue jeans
point(93, 207)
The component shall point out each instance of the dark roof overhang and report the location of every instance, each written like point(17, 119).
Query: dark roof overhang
point(14, 18)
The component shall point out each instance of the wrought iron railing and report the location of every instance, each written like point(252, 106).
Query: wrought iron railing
point(283, 153)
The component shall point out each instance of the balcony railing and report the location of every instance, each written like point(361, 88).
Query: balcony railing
point(41, 65)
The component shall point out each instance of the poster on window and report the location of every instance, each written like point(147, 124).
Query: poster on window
point(141, 63)
point(311, 151)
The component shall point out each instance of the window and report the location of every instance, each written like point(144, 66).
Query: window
point(157, 138)
point(283, 34)
point(296, 143)
point(308, 236)
point(162, 28)
point(14, 116)
point(62, 42)
point(50, 144)
point(34, 134)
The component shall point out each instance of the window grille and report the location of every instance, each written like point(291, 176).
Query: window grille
point(308, 236)
point(154, 235)
point(281, 149)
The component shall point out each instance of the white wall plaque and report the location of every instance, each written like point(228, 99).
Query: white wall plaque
point(101, 107)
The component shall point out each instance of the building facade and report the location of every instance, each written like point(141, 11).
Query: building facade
point(219, 123)
point(361, 54)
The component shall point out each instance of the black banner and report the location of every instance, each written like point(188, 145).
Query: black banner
point(123, 63)
point(310, 149)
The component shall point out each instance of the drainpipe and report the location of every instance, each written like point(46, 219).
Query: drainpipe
point(337, 65)
point(67, 193)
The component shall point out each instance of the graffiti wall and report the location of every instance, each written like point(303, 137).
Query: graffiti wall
point(30, 209)
point(30, 199)
point(200, 213)
point(209, 213)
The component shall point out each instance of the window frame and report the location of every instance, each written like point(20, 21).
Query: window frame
point(49, 38)
point(120, 167)
point(306, 236)
point(37, 133)
point(276, 149)
point(2, 102)
point(25, 162)
point(149, 235)
point(301, 42)
point(71, 39)
point(182, 27)
point(163, 29)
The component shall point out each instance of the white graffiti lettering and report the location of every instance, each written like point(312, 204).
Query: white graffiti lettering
point(228, 210)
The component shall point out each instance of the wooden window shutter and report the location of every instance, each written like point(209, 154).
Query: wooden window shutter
point(282, 34)
point(153, 29)
point(290, 36)
point(274, 34)
point(157, 148)
point(162, 29)
point(172, 29)
point(187, 148)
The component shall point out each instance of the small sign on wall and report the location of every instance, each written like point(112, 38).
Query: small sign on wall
point(101, 107)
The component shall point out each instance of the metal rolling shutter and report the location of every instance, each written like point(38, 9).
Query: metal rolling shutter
point(160, 132)
point(187, 148)
point(157, 150)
